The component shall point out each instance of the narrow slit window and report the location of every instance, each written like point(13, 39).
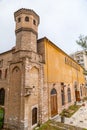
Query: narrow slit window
point(34, 22)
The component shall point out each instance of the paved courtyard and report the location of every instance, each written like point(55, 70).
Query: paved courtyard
point(79, 119)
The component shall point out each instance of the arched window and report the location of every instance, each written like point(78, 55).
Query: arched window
point(34, 116)
point(0, 74)
point(34, 22)
point(81, 90)
point(62, 97)
point(27, 19)
point(19, 19)
point(53, 91)
point(5, 73)
point(2, 96)
point(69, 95)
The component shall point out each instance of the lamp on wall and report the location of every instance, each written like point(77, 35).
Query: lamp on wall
point(62, 84)
point(53, 84)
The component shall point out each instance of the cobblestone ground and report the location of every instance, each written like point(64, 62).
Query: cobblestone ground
point(79, 119)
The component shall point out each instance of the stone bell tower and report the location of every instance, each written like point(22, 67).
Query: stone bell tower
point(27, 22)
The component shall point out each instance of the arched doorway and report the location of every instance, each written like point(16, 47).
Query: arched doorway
point(53, 102)
point(81, 91)
point(1, 117)
point(77, 94)
point(2, 100)
point(34, 116)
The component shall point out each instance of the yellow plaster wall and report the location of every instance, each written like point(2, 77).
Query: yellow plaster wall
point(56, 70)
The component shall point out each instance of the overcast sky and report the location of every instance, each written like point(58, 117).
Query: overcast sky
point(61, 21)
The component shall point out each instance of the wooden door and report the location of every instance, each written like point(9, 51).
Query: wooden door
point(77, 94)
point(53, 103)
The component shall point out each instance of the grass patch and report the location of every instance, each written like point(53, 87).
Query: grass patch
point(52, 125)
point(70, 111)
point(46, 126)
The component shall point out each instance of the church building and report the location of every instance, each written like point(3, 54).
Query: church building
point(37, 79)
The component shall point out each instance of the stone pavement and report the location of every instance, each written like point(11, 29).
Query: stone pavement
point(79, 119)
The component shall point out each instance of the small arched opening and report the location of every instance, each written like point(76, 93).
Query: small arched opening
point(62, 97)
point(27, 19)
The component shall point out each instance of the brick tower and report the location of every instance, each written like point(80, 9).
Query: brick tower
point(24, 66)
point(27, 22)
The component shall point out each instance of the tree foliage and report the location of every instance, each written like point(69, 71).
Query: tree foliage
point(82, 41)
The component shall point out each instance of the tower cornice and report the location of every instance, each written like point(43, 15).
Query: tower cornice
point(27, 11)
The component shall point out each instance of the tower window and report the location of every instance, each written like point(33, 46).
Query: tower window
point(19, 19)
point(27, 19)
point(34, 22)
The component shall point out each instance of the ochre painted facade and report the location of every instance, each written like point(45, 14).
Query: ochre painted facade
point(60, 72)
point(37, 79)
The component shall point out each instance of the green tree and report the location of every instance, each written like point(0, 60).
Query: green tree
point(82, 41)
